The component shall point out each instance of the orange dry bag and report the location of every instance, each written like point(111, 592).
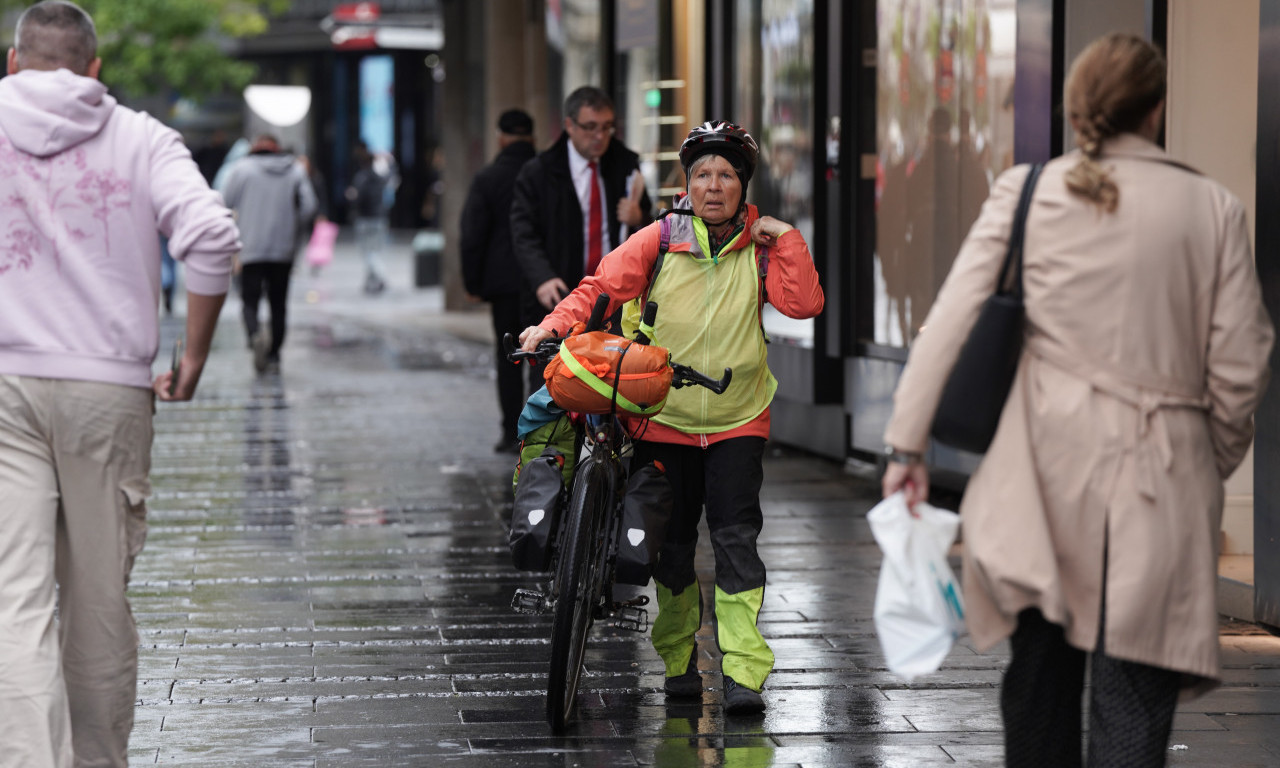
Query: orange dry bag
point(591, 365)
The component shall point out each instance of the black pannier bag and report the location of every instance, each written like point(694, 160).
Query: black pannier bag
point(646, 510)
point(535, 513)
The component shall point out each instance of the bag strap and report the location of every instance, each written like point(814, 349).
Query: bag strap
point(762, 293)
point(617, 378)
point(1011, 271)
point(664, 244)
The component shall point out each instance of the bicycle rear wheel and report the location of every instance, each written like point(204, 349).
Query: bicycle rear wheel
point(578, 573)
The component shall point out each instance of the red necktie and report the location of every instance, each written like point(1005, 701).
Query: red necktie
point(593, 223)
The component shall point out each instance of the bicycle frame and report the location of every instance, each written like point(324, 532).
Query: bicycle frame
point(581, 590)
point(606, 444)
point(609, 445)
point(587, 544)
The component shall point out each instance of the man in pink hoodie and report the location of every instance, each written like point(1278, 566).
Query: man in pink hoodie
point(85, 185)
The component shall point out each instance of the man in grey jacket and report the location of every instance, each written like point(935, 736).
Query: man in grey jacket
point(270, 194)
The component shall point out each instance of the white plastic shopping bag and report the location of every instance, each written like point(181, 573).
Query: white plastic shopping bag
point(919, 611)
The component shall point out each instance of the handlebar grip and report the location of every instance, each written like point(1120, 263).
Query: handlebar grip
point(646, 321)
point(724, 381)
point(597, 312)
point(650, 313)
point(514, 353)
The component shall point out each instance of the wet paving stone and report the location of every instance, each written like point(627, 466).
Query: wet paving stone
point(326, 583)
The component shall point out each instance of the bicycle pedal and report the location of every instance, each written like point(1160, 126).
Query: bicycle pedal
point(529, 601)
point(631, 617)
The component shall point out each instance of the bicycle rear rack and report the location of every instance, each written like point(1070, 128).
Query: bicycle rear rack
point(630, 615)
point(529, 601)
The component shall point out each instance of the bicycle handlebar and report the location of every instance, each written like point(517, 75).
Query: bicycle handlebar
point(547, 349)
point(646, 321)
point(684, 376)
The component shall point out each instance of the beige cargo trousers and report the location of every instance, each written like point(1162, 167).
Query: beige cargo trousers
point(74, 464)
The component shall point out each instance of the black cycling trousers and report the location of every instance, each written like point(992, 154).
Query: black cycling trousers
point(505, 310)
point(725, 477)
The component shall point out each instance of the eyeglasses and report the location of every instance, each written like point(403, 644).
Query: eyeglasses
point(607, 128)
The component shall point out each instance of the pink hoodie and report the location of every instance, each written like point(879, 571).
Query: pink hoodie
point(86, 187)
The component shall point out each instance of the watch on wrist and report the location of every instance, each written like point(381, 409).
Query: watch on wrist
point(902, 457)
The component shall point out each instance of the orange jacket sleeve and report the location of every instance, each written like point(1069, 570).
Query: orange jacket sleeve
point(623, 274)
point(792, 281)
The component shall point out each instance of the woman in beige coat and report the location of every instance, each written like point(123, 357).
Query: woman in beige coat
point(1091, 524)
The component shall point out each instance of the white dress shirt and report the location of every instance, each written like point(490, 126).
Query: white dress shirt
point(580, 172)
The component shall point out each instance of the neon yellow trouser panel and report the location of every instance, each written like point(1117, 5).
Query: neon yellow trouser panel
point(679, 617)
point(747, 658)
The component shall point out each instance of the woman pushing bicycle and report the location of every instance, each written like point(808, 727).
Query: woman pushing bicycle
point(710, 266)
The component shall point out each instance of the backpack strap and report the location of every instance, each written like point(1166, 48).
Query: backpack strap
point(664, 244)
point(762, 270)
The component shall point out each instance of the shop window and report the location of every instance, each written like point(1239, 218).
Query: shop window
point(774, 101)
point(658, 86)
point(944, 130)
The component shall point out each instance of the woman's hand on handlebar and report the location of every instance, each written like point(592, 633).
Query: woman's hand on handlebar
point(532, 336)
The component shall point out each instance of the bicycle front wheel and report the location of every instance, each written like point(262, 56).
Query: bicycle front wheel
point(578, 574)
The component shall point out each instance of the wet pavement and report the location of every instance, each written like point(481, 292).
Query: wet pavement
point(326, 583)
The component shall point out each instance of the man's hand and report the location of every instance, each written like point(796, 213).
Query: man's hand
point(532, 336)
point(766, 230)
point(202, 319)
point(629, 212)
point(188, 374)
point(551, 292)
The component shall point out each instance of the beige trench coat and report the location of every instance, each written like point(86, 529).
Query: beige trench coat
point(1146, 355)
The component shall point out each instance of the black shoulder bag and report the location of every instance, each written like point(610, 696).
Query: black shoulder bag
point(979, 383)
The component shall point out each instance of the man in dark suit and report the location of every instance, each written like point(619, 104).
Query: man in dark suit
point(575, 202)
point(489, 269)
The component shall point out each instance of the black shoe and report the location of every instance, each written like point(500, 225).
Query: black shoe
point(689, 684)
point(739, 700)
point(261, 344)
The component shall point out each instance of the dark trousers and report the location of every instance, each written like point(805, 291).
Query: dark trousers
point(726, 478)
point(1131, 705)
point(506, 319)
point(271, 277)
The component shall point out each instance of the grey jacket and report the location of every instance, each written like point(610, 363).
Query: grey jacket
point(270, 195)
